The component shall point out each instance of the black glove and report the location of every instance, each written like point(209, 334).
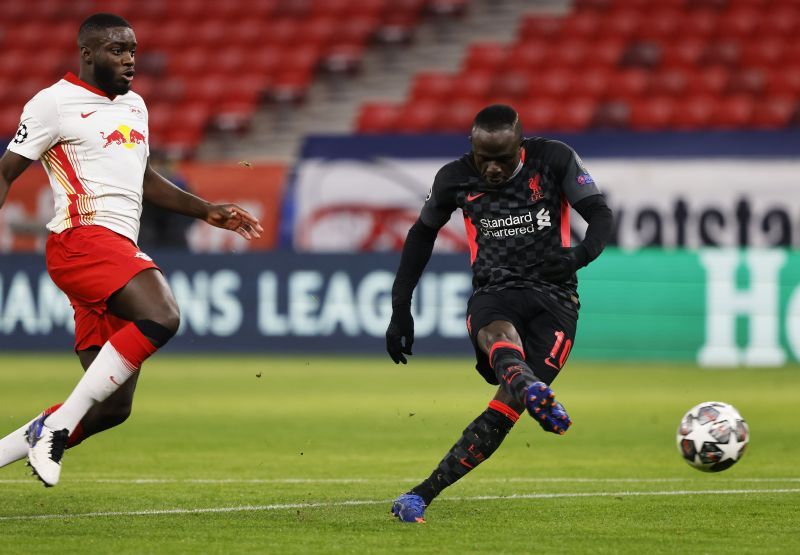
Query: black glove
point(558, 268)
point(400, 327)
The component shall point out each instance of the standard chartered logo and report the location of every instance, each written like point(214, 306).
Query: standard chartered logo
point(515, 225)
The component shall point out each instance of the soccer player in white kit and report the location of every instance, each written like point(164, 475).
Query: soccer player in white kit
point(90, 132)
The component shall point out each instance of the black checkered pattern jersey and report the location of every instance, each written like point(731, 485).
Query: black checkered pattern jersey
point(511, 228)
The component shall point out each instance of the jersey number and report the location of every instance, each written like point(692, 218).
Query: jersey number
point(559, 352)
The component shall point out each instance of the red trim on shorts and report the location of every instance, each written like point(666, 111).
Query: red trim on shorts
point(472, 239)
point(132, 346)
point(505, 345)
point(565, 230)
point(504, 409)
point(75, 80)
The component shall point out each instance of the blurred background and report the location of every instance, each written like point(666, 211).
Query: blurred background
point(328, 119)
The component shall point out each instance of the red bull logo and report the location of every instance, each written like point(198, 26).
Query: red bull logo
point(123, 135)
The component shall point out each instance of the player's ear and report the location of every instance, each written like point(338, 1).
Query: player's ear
point(86, 55)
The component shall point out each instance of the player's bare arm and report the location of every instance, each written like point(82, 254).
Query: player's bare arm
point(11, 166)
point(159, 191)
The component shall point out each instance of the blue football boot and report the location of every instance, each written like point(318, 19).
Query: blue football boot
point(543, 407)
point(409, 507)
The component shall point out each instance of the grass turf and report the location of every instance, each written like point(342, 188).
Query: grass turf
point(266, 454)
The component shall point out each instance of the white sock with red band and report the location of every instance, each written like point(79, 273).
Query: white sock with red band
point(120, 357)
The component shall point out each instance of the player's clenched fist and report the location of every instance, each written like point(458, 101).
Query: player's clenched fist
point(400, 334)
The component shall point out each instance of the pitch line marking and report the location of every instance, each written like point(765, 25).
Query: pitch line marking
point(356, 502)
point(288, 481)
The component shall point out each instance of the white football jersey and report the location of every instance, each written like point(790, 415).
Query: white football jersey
point(94, 149)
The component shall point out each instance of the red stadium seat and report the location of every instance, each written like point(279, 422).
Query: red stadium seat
point(190, 62)
point(266, 60)
point(473, 85)
point(606, 52)
point(651, 114)
point(765, 52)
point(695, 113)
point(785, 81)
point(670, 82)
point(457, 117)
point(738, 23)
point(662, 23)
point(700, 23)
point(709, 81)
point(594, 82)
point(631, 83)
point(734, 112)
point(377, 117)
point(418, 117)
point(724, 52)
point(581, 26)
point(614, 114)
point(682, 53)
point(623, 23)
point(513, 84)
point(575, 114)
point(555, 82)
point(570, 53)
point(540, 27)
point(782, 21)
point(529, 55)
point(319, 31)
point(752, 81)
point(646, 54)
point(433, 85)
point(775, 112)
point(539, 115)
point(486, 56)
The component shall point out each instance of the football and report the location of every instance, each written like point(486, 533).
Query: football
point(712, 436)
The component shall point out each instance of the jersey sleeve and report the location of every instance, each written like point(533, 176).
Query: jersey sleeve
point(577, 184)
point(38, 129)
point(441, 200)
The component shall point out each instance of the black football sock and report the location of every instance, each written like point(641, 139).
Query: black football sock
point(508, 363)
point(481, 438)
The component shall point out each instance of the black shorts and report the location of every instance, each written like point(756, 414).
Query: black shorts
point(546, 328)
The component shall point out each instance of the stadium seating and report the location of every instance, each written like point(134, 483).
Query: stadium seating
point(208, 65)
point(685, 64)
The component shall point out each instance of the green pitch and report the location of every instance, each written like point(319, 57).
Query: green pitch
point(303, 455)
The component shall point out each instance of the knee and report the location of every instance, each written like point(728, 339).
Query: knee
point(498, 332)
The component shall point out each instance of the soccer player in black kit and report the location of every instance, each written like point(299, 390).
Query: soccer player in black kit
point(515, 195)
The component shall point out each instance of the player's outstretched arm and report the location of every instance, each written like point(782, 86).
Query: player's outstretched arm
point(160, 191)
point(416, 252)
point(11, 166)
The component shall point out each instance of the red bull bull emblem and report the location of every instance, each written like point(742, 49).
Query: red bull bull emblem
point(123, 135)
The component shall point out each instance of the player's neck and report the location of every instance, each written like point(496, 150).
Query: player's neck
point(88, 78)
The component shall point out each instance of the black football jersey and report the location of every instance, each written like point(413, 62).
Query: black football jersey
point(510, 228)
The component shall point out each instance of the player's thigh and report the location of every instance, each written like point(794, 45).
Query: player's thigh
point(146, 296)
point(493, 316)
point(549, 336)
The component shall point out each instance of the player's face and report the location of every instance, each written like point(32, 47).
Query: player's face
point(496, 154)
point(114, 58)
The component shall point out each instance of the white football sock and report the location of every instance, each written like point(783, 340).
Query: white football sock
point(14, 446)
point(103, 377)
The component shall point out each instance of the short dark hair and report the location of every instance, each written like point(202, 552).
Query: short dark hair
point(99, 22)
point(496, 116)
